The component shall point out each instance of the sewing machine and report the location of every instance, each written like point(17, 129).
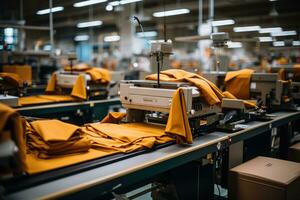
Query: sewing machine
point(145, 102)
point(265, 89)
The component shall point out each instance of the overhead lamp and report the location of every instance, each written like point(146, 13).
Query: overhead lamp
point(88, 3)
point(122, 2)
point(147, 34)
point(273, 0)
point(265, 39)
point(114, 3)
point(112, 38)
point(47, 11)
point(246, 28)
point(8, 32)
point(222, 22)
point(171, 12)
point(278, 44)
point(47, 47)
point(270, 30)
point(80, 38)
point(89, 24)
point(233, 45)
point(296, 43)
point(284, 33)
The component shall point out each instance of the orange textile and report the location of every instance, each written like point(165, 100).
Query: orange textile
point(11, 78)
point(178, 123)
point(211, 93)
point(41, 99)
point(99, 75)
point(238, 83)
point(12, 127)
point(79, 89)
point(247, 104)
point(79, 67)
point(24, 72)
point(113, 117)
point(51, 84)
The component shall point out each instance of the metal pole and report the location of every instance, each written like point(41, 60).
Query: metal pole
point(51, 27)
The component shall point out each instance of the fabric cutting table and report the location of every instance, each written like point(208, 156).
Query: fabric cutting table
point(103, 180)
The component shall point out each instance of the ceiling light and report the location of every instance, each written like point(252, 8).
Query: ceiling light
point(47, 47)
point(47, 11)
point(89, 24)
point(87, 3)
point(232, 45)
point(8, 32)
point(246, 28)
point(122, 2)
point(265, 39)
point(80, 38)
point(114, 3)
point(272, 0)
point(296, 43)
point(284, 33)
point(270, 30)
point(171, 12)
point(112, 38)
point(109, 7)
point(147, 34)
point(278, 44)
point(223, 22)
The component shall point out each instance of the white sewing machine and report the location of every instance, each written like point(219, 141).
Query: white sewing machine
point(145, 102)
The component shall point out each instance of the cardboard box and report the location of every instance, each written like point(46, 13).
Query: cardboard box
point(24, 71)
point(265, 178)
point(294, 153)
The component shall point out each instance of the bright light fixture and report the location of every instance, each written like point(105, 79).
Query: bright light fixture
point(47, 47)
point(112, 38)
point(122, 2)
point(146, 34)
point(47, 11)
point(284, 33)
point(296, 43)
point(87, 3)
point(265, 39)
point(9, 40)
point(223, 22)
point(232, 45)
point(109, 7)
point(89, 24)
point(246, 28)
point(8, 32)
point(278, 44)
point(114, 3)
point(171, 12)
point(80, 38)
point(270, 30)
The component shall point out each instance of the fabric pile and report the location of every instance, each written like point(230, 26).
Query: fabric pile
point(11, 78)
point(53, 138)
point(42, 99)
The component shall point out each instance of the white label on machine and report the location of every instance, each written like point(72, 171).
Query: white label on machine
point(253, 85)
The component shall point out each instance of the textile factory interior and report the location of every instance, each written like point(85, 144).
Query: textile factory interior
point(150, 99)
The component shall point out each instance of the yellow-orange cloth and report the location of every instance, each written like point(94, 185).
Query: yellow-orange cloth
point(79, 89)
point(42, 99)
point(12, 127)
point(126, 137)
point(238, 83)
point(113, 117)
point(281, 74)
point(47, 138)
point(178, 123)
point(211, 93)
point(51, 86)
point(247, 104)
point(11, 78)
point(99, 75)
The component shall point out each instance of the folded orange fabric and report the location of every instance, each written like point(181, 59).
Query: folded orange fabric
point(113, 117)
point(238, 83)
point(51, 86)
point(211, 93)
point(79, 67)
point(42, 99)
point(99, 75)
point(247, 104)
point(79, 89)
point(178, 123)
point(11, 78)
point(12, 127)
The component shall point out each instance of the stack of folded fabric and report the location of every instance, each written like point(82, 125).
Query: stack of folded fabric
point(125, 138)
point(41, 99)
point(11, 78)
point(52, 138)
